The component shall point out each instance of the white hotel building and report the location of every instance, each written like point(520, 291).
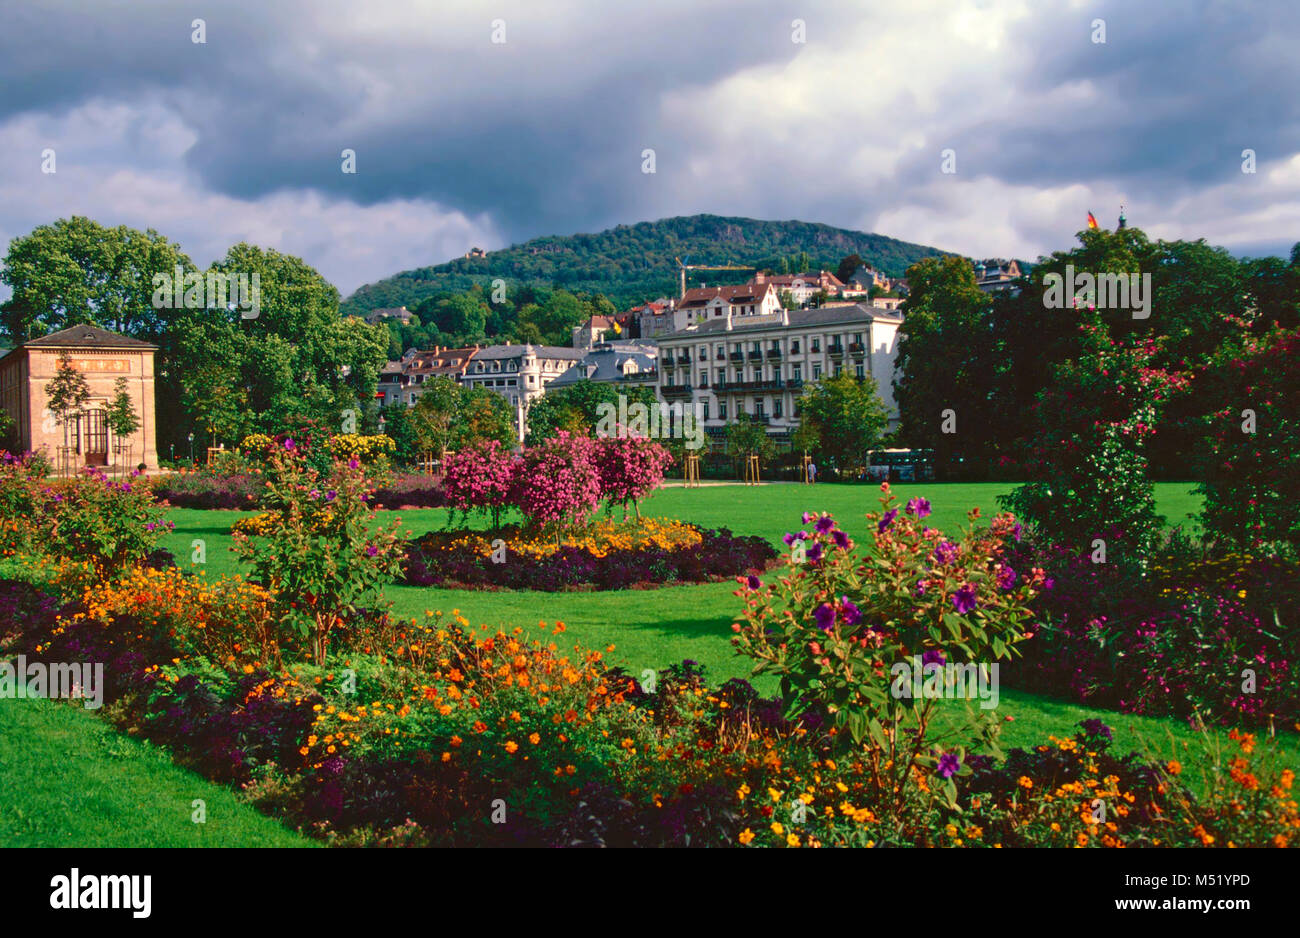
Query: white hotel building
point(758, 364)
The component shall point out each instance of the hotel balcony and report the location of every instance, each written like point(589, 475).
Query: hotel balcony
point(836, 350)
point(774, 353)
point(857, 350)
point(675, 390)
point(756, 356)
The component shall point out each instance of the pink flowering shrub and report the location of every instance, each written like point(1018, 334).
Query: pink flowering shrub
point(630, 469)
point(481, 477)
point(838, 627)
point(557, 484)
point(1088, 449)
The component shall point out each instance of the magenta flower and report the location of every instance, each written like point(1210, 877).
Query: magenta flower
point(290, 445)
point(825, 616)
point(753, 582)
point(964, 599)
point(1006, 577)
point(841, 539)
point(886, 520)
point(945, 552)
point(949, 765)
point(851, 614)
point(918, 506)
point(824, 524)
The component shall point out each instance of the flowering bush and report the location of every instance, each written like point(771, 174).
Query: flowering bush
point(1194, 633)
point(835, 625)
point(110, 524)
point(557, 484)
point(323, 554)
point(210, 488)
point(21, 481)
point(1088, 460)
point(368, 449)
point(630, 469)
point(1251, 464)
point(480, 478)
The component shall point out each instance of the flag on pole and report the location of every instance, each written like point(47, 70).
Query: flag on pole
point(1092, 221)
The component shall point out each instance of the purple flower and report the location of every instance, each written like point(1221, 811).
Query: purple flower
point(290, 445)
point(918, 506)
point(964, 599)
point(841, 539)
point(753, 582)
point(933, 656)
point(1017, 531)
point(946, 552)
point(1006, 577)
point(331, 495)
point(886, 520)
point(1095, 727)
point(949, 765)
point(808, 517)
point(825, 616)
point(352, 463)
point(151, 526)
point(920, 588)
point(815, 553)
point(825, 523)
point(789, 539)
point(802, 536)
point(371, 550)
point(851, 613)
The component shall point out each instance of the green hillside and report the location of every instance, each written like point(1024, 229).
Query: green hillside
point(632, 263)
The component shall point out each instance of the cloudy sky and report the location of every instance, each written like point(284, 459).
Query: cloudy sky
point(461, 140)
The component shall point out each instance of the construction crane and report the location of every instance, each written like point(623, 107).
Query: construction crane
point(682, 268)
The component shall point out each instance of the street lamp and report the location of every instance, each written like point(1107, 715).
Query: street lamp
point(191, 439)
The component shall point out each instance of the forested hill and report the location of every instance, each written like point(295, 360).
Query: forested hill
point(631, 263)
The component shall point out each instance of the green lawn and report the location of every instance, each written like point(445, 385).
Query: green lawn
point(72, 780)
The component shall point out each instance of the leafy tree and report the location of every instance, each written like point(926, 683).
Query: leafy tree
point(122, 418)
point(577, 408)
point(77, 271)
point(847, 266)
point(946, 359)
point(847, 416)
point(67, 392)
point(746, 437)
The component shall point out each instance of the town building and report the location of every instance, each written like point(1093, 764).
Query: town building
point(701, 304)
point(801, 287)
point(627, 363)
point(654, 318)
point(402, 381)
point(759, 364)
point(995, 274)
point(399, 313)
point(598, 328)
point(519, 373)
point(84, 438)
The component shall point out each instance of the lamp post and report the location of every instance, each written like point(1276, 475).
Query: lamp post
point(191, 439)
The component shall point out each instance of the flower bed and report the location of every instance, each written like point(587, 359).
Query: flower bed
point(440, 735)
point(607, 555)
point(1214, 635)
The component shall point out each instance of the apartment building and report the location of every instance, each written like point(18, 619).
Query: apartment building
point(402, 381)
point(701, 304)
point(759, 364)
point(519, 373)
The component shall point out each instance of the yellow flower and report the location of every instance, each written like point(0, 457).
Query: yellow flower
point(777, 828)
point(746, 836)
point(512, 746)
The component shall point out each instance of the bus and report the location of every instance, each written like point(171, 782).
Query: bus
point(900, 465)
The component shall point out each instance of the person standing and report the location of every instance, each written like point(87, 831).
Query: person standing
point(812, 471)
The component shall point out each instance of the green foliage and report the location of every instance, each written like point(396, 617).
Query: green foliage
point(629, 263)
point(113, 525)
point(67, 392)
point(77, 271)
point(846, 417)
point(122, 418)
point(1090, 428)
point(946, 358)
point(1251, 461)
point(577, 408)
point(746, 436)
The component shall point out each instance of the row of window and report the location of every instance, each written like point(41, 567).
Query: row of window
point(723, 350)
point(774, 373)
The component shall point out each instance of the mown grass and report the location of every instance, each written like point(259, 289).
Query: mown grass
point(72, 780)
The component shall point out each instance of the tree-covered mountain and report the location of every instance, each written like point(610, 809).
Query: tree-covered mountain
point(632, 263)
